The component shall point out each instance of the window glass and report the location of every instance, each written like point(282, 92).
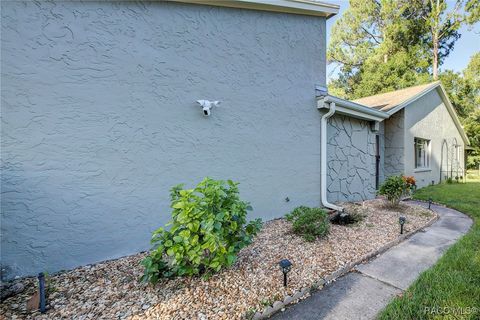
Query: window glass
point(422, 153)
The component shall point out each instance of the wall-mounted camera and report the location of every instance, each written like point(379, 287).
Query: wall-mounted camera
point(207, 106)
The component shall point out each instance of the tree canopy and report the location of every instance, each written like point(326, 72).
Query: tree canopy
point(385, 45)
point(380, 46)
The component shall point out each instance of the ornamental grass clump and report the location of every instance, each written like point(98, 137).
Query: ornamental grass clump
point(208, 229)
point(310, 223)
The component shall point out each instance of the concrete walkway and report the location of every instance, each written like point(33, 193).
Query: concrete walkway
point(362, 294)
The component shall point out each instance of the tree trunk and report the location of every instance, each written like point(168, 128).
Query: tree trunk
point(435, 37)
point(435, 58)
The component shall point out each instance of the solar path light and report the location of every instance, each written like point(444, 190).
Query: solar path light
point(286, 266)
point(401, 220)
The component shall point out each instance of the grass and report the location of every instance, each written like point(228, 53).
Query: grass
point(452, 286)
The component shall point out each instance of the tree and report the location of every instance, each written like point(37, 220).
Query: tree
point(443, 30)
point(472, 72)
point(355, 35)
point(383, 45)
point(403, 69)
point(472, 129)
point(463, 90)
point(378, 42)
point(472, 11)
point(472, 121)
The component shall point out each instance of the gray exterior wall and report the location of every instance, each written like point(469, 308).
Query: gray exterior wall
point(351, 160)
point(100, 120)
point(394, 127)
point(428, 118)
point(381, 133)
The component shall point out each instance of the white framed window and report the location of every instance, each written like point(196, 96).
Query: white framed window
point(422, 153)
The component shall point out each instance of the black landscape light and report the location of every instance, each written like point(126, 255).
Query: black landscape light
point(401, 220)
point(429, 203)
point(286, 266)
point(41, 288)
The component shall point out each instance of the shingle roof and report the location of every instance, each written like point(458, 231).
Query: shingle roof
point(389, 100)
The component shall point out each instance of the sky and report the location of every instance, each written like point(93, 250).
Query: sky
point(465, 47)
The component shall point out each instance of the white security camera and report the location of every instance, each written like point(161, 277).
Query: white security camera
point(207, 106)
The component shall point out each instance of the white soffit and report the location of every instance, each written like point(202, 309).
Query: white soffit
point(305, 7)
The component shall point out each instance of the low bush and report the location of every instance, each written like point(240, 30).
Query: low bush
point(310, 223)
point(394, 187)
point(208, 229)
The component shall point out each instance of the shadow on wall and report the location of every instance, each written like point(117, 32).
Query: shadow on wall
point(51, 222)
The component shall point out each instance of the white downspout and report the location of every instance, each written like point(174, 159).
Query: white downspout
point(323, 158)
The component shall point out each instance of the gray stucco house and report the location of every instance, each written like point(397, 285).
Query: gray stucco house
point(102, 115)
point(423, 136)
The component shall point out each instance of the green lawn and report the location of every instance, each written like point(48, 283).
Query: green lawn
point(453, 284)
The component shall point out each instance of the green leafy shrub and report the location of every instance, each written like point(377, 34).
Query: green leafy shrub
point(208, 229)
point(393, 188)
point(310, 223)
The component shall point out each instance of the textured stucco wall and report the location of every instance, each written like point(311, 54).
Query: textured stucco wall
point(428, 118)
point(99, 120)
point(351, 160)
point(394, 162)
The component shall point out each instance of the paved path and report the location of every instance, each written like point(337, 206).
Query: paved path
point(362, 294)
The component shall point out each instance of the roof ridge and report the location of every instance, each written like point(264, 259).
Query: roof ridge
point(417, 85)
point(389, 100)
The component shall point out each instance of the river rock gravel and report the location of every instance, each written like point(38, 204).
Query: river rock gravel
point(111, 290)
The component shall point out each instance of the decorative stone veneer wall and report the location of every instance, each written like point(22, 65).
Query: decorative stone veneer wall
point(351, 160)
point(394, 162)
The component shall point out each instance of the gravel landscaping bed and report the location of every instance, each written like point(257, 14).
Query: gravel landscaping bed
point(111, 289)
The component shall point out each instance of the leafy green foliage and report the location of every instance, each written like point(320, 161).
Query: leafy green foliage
point(464, 92)
point(471, 122)
point(461, 92)
point(310, 223)
point(443, 25)
point(380, 46)
point(208, 229)
point(472, 129)
point(155, 267)
point(48, 282)
point(401, 69)
point(393, 188)
point(385, 45)
point(472, 11)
